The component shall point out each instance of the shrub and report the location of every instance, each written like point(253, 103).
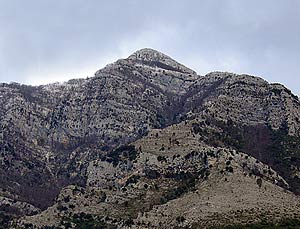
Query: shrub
point(229, 169)
point(259, 182)
point(151, 173)
point(180, 219)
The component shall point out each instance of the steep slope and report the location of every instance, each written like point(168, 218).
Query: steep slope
point(44, 130)
point(245, 100)
point(68, 144)
point(169, 179)
point(254, 116)
point(238, 189)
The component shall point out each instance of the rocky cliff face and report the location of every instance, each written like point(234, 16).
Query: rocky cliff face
point(44, 127)
point(183, 130)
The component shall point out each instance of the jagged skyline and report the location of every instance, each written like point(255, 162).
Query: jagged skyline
point(188, 150)
point(51, 41)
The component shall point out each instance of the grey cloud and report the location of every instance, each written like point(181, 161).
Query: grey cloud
point(48, 40)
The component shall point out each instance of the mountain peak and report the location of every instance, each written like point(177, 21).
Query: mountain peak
point(155, 58)
point(147, 132)
point(148, 54)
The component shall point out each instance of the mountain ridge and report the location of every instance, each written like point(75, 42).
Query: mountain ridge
point(58, 136)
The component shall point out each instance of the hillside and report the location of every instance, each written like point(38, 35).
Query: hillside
point(146, 143)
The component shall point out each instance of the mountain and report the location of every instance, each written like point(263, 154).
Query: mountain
point(148, 143)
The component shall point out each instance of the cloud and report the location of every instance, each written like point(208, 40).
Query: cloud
point(46, 41)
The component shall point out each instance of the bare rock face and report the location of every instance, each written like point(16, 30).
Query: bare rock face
point(157, 59)
point(169, 178)
point(246, 100)
point(156, 69)
point(140, 128)
point(43, 127)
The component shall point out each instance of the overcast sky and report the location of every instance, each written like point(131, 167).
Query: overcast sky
point(44, 41)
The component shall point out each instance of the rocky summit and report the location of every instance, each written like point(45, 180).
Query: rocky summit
point(148, 143)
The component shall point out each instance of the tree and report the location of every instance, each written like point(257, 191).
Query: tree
point(259, 182)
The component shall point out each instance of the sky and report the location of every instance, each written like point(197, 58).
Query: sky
point(43, 41)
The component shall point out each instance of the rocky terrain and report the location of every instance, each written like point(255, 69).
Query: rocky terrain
point(148, 143)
